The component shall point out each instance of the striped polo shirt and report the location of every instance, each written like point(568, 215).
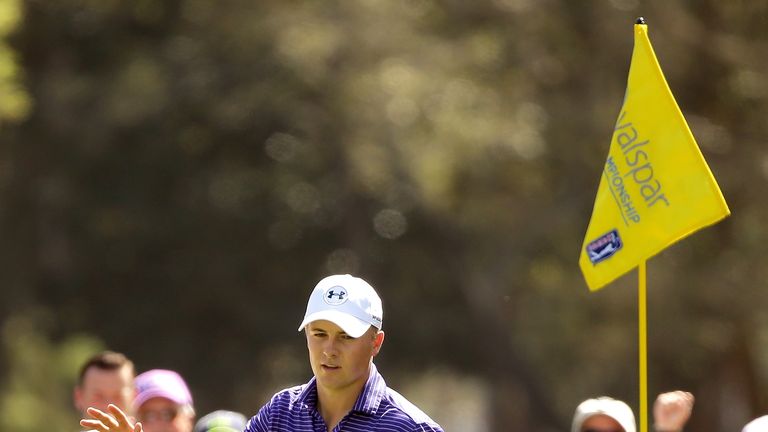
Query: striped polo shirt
point(377, 409)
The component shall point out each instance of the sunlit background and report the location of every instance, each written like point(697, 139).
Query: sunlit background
point(175, 176)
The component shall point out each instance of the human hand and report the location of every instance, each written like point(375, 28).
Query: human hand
point(672, 410)
point(114, 421)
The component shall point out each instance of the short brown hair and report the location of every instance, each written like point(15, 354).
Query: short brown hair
point(105, 360)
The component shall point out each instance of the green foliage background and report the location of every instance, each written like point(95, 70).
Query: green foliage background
point(176, 175)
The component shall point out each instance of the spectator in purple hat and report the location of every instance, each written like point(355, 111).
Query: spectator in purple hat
point(163, 403)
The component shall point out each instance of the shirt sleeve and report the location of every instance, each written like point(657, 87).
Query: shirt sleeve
point(259, 422)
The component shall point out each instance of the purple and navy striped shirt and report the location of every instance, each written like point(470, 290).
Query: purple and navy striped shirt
point(378, 409)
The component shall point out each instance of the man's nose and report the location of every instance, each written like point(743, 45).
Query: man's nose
point(329, 348)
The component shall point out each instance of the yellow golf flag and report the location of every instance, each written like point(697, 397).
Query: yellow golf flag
point(655, 188)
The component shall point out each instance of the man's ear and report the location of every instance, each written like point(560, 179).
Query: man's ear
point(378, 340)
point(77, 397)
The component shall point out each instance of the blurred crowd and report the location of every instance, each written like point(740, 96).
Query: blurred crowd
point(160, 399)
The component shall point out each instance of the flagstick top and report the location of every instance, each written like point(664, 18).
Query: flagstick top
point(640, 20)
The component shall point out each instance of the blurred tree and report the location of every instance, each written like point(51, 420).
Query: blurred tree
point(14, 102)
point(41, 374)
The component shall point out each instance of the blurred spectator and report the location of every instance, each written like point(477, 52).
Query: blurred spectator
point(221, 421)
point(603, 414)
point(671, 412)
point(105, 378)
point(163, 402)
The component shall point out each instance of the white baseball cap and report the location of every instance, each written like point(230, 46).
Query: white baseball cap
point(606, 406)
point(347, 301)
point(757, 425)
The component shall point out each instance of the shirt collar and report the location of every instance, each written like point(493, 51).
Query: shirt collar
point(374, 389)
point(308, 396)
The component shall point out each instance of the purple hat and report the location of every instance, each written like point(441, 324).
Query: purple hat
point(161, 383)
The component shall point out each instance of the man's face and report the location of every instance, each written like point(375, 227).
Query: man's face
point(103, 387)
point(601, 423)
point(162, 415)
point(339, 361)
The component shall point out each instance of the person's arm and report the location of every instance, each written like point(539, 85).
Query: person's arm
point(672, 410)
point(114, 421)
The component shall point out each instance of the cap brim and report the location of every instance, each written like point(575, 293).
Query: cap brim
point(352, 326)
point(145, 396)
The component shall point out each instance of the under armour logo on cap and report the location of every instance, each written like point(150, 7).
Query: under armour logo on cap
point(335, 295)
point(347, 301)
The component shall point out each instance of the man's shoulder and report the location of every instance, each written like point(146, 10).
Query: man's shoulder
point(289, 396)
point(284, 406)
point(398, 407)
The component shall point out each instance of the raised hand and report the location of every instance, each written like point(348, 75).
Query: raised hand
point(114, 421)
point(672, 410)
